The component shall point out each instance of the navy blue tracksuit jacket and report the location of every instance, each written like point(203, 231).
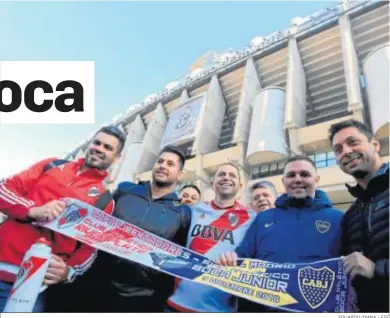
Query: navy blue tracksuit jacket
point(295, 231)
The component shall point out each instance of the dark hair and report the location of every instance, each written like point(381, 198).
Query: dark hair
point(232, 165)
point(116, 132)
point(300, 158)
point(264, 184)
point(335, 128)
point(177, 151)
point(193, 186)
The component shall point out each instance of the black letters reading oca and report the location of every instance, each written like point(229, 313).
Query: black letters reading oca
point(77, 96)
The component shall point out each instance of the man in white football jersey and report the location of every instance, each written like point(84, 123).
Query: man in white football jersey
point(216, 227)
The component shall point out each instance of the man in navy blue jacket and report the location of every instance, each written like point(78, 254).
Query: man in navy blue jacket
point(119, 285)
point(303, 227)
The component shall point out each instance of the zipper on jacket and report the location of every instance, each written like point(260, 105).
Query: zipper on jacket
point(364, 227)
point(146, 213)
point(369, 219)
point(162, 212)
point(70, 183)
point(298, 214)
point(74, 178)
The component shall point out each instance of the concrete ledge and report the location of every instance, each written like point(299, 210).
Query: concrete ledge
point(315, 137)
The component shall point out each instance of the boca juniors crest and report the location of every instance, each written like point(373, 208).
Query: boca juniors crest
point(322, 226)
point(315, 284)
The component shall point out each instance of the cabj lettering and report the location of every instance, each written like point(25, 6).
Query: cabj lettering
point(315, 283)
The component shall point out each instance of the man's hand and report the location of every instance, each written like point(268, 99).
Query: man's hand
point(357, 264)
point(47, 212)
point(57, 272)
point(227, 259)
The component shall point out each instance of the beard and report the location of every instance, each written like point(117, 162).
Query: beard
point(163, 184)
point(360, 174)
point(90, 163)
point(362, 170)
point(95, 165)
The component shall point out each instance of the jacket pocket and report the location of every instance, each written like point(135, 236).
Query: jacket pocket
point(167, 224)
point(265, 255)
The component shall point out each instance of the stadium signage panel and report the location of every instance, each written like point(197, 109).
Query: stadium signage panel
point(183, 122)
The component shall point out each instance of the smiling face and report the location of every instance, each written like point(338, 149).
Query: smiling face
point(102, 151)
point(356, 155)
point(189, 196)
point(262, 199)
point(300, 179)
point(226, 183)
point(166, 170)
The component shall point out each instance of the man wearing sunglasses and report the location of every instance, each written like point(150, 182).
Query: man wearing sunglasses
point(34, 195)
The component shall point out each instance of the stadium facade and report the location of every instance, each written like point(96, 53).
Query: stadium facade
point(277, 97)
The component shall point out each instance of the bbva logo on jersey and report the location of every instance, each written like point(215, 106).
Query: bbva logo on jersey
point(213, 232)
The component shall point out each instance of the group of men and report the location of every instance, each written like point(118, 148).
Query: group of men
point(299, 226)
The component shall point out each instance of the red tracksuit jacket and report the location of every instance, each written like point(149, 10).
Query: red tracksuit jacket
point(31, 188)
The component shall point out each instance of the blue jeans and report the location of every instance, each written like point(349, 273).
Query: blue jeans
point(5, 289)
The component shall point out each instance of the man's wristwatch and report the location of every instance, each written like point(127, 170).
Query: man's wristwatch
point(71, 275)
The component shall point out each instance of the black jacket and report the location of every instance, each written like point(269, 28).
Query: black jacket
point(365, 228)
point(164, 217)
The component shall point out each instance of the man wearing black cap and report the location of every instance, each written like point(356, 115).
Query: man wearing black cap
point(154, 207)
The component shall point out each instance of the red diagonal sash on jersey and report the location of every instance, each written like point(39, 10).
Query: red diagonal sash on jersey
point(223, 223)
point(28, 268)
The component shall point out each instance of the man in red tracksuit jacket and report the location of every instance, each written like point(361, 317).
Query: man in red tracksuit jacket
point(35, 194)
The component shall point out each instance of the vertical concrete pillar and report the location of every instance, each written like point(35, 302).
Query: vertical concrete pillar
point(152, 140)
point(295, 109)
point(250, 88)
point(351, 67)
point(126, 168)
point(211, 119)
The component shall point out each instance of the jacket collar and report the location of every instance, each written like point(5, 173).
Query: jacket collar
point(320, 200)
point(378, 183)
point(384, 169)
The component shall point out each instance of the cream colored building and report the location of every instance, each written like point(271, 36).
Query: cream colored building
point(257, 106)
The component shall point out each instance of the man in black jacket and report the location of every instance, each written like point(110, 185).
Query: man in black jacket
point(365, 226)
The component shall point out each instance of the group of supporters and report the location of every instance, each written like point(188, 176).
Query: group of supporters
point(299, 226)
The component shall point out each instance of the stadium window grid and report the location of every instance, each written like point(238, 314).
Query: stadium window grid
point(321, 160)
